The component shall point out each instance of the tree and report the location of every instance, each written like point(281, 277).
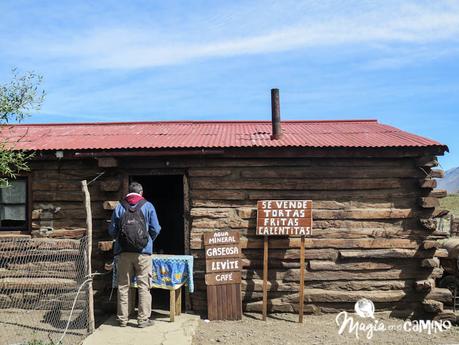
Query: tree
point(18, 98)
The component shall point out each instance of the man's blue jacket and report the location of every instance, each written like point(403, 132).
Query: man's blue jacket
point(151, 220)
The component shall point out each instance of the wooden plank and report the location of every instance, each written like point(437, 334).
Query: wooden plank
point(416, 272)
point(50, 273)
point(428, 202)
point(211, 302)
point(276, 216)
point(178, 301)
point(287, 243)
point(110, 185)
point(256, 285)
point(290, 231)
point(218, 194)
point(172, 305)
point(427, 161)
point(67, 233)
point(210, 172)
point(335, 172)
point(265, 277)
point(110, 205)
point(428, 183)
point(272, 208)
point(70, 266)
point(224, 302)
point(33, 244)
point(223, 251)
point(284, 217)
point(223, 265)
point(105, 246)
point(223, 278)
point(437, 173)
point(320, 265)
point(236, 302)
point(239, 306)
point(297, 184)
point(385, 253)
point(239, 196)
point(234, 163)
point(246, 209)
point(439, 193)
point(301, 292)
point(351, 232)
point(107, 162)
point(221, 237)
point(291, 254)
point(219, 301)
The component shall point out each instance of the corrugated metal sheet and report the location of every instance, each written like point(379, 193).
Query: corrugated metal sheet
point(207, 134)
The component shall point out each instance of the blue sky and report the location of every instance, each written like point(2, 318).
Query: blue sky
point(396, 61)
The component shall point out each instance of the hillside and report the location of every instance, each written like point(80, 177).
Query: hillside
point(451, 203)
point(451, 181)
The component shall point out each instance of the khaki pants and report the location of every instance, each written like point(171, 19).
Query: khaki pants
point(130, 265)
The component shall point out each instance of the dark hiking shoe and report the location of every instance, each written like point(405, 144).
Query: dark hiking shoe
point(147, 323)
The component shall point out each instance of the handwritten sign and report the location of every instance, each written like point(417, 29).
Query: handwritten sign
point(223, 265)
point(221, 237)
point(223, 278)
point(223, 254)
point(225, 251)
point(223, 275)
point(284, 218)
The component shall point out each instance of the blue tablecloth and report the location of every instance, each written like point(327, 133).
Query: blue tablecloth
point(168, 272)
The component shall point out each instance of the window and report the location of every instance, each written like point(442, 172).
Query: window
point(13, 206)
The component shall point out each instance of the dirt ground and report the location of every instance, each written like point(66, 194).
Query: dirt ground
point(283, 329)
point(19, 326)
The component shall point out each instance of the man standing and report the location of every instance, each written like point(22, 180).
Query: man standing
point(134, 226)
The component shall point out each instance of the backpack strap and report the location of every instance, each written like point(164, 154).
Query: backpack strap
point(126, 205)
point(140, 204)
point(134, 208)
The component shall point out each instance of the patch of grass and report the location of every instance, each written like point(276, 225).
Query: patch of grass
point(451, 203)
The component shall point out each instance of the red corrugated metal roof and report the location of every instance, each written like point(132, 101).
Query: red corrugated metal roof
point(209, 134)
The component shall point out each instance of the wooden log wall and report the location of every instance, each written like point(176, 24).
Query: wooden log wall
point(58, 211)
point(374, 223)
point(371, 230)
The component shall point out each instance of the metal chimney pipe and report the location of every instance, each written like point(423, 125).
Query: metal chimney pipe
point(275, 111)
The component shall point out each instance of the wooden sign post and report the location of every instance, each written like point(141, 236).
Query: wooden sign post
point(291, 218)
point(223, 277)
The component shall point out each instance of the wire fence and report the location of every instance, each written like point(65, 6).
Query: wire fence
point(43, 291)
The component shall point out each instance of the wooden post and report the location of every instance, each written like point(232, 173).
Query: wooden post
point(301, 294)
point(268, 212)
point(265, 277)
point(172, 305)
point(178, 301)
point(87, 204)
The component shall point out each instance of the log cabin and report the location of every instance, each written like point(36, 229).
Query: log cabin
point(372, 186)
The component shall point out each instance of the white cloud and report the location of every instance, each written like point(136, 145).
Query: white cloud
point(309, 25)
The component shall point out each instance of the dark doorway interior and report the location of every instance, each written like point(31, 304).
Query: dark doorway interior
point(166, 194)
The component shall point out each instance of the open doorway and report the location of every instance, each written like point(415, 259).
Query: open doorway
point(165, 192)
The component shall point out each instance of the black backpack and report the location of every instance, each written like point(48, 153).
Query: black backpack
point(133, 235)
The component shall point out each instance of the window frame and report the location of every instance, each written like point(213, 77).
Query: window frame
point(28, 204)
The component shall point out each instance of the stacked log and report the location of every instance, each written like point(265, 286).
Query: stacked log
point(37, 273)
